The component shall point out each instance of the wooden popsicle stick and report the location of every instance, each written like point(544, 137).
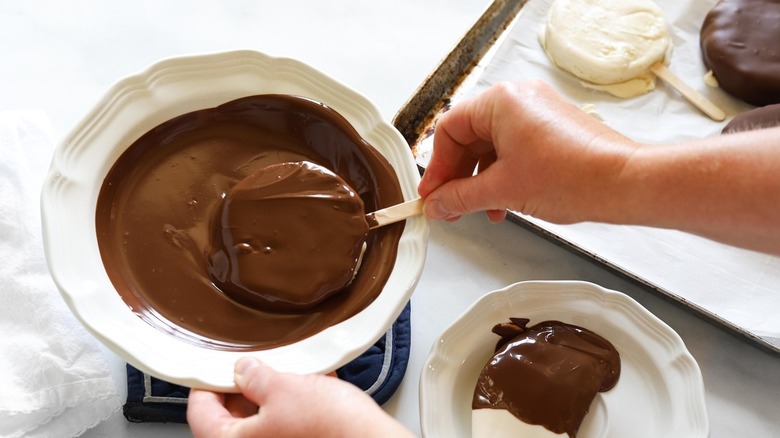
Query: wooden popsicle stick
point(394, 213)
point(705, 105)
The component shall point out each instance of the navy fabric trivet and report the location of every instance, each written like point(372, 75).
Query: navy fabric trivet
point(378, 372)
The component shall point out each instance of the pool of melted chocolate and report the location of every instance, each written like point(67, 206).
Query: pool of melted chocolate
point(547, 374)
point(154, 212)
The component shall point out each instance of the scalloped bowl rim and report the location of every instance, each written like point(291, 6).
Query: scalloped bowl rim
point(462, 349)
point(138, 103)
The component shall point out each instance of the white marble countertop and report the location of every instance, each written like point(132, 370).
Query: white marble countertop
point(62, 56)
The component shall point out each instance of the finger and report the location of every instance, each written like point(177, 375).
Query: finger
point(446, 163)
point(468, 124)
point(486, 160)
point(457, 148)
point(496, 216)
point(206, 413)
point(239, 406)
point(252, 377)
point(462, 196)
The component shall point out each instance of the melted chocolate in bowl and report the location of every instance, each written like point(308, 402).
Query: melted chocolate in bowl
point(547, 374)
point(155, 207)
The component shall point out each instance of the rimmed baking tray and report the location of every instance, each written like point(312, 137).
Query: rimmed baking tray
point(458, 73)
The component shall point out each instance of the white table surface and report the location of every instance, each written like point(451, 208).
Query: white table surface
point(62, 56)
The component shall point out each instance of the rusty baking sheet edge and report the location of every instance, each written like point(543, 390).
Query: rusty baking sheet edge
point(417, 118)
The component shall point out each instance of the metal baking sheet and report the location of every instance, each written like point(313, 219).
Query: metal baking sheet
point(461, 72)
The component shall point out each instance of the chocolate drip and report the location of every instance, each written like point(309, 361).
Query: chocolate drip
point(154, 209)
point(547, 374)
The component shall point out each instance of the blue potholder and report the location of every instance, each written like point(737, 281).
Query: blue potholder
point(378, 372)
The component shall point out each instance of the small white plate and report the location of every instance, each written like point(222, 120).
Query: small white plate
point(142, 101)
point(660, 392)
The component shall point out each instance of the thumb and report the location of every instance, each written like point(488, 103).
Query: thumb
point(252, 377)
point(462, 196)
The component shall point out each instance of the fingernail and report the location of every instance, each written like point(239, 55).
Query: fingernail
point(243, 365)
point(435, 210)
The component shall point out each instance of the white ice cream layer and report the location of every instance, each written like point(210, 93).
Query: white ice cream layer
point(609, 43)
point(499, 423)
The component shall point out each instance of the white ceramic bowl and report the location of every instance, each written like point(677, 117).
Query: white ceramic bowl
point(660, 391)
point(139, 103)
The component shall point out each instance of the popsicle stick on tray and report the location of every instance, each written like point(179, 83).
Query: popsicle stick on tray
point(702, 103)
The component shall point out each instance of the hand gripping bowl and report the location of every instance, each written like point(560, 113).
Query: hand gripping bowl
point(134, 106)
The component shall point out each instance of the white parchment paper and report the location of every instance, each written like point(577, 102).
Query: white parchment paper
point(737, 287)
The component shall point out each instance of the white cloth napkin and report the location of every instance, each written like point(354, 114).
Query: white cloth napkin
point(54, 379)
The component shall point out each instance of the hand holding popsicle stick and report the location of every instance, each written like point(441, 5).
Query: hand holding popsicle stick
point(395, 213)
